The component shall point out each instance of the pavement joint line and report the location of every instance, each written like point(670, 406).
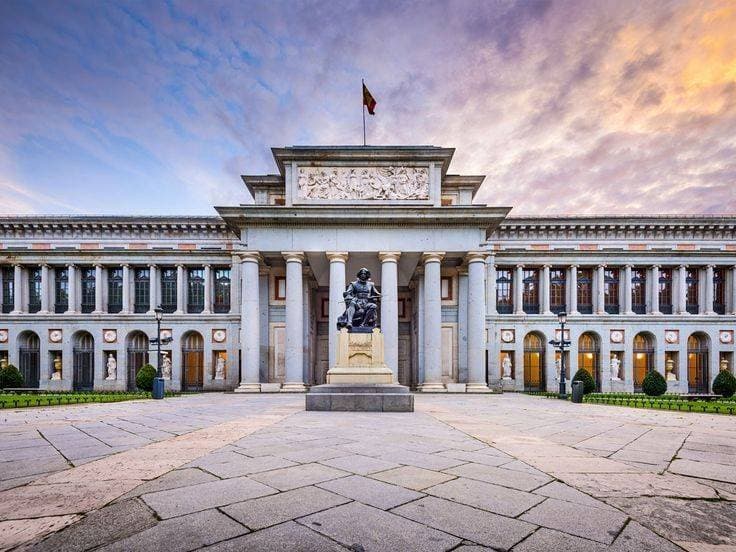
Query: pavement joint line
point(69, 462)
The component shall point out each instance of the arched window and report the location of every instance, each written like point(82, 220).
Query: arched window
point(589, 356)
point(137, 356)
point(29, 358)
point(192, 354)
point(697, 363)
point(533, 362)
point(643, 358)
point(84, 361)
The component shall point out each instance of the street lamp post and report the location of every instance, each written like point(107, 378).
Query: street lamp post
point(562, 317)
point(158, 381)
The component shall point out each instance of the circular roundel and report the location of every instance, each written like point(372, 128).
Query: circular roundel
point(726, 337)
point(110, 336)
point(670, 337)
point(507, 336)
point(219, 336)
point(617, 336)
point(165, 334)
point(3, 336)
point(55, 336)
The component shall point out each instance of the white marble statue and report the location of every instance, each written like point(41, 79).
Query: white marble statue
point(615, 368)
point(506, 367)
point(112, 368)
point(57, 368)
point(724, 365)
point(669, 367)
point(166, 366)
point(220, 368)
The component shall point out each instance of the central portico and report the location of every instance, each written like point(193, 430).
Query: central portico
point(394, 210)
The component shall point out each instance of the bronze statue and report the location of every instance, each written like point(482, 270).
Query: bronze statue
point(361, 304)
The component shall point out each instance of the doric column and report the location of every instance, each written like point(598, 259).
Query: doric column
point(294, 322)
point(235, 285)
point(627, 289)
point(72, 290)
point(17, 289)
point(682, 289)
point(654, 287)
point(573, 308)
point(126, 289)
point(99, 307)
point(336, 304)
point(250, 335)
point(600, 274)
point(491, 277)
point(44, 289)
point(390, 309)
point(432, 322)
point(207, 290)
point(476, 322)
point(544, 289)
point(519, 289)
point(709, 290)
point(180, 290)
point(152, 288)
point(733, 290)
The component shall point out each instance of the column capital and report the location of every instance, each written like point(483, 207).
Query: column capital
point(124, 265)
point(682, 266)
point(432, 256)
point(152, 265)
point(519, 265)
point(656, 266)
point(264, 270)
point(628, 265)
point(71, 265)
point(337, 256)
point(389, 256)
point(249, 257)
point(180, 265)
point(710, 265)
point(45, 265)
point(293, 256)
point(574, 265)
point(475, 257)
point(547, 266)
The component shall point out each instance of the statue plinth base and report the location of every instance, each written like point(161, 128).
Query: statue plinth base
point(360, 380)
point(360, 359)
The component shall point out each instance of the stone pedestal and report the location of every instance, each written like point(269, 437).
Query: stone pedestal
point(360, 380)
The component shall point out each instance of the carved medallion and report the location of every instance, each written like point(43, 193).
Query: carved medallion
point(672, 336)
point(360, 183)
point(165, 334)
point(726, 336)
point(507, 336)
point(617, 336)
point(55, 336)
point(219, 336)
point(3, 336)
point(109, 336)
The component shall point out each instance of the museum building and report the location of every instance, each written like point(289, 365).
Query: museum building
point(470, 295)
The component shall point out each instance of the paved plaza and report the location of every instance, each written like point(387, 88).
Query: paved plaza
point(223, 472)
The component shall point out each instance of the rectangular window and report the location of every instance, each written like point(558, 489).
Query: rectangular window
point(8, 289)
point(114, 290)
point(530, 291)
point(34, 289)
point(61, 290)
point(504, 291)
point(665, 291)
point(585, 291)
point(719, 291)
point(168, 289)
point(88, 290)
point(691, 283)
point(141, 290)
point(557, 290)
point(195, 290)
point(222, 290)
point(446, 286)
point(638, 291)
point(279, 288)
point(610, 290)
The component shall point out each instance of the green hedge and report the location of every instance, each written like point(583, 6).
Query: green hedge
point(654, 384)
point(639, 400)
point(145, 376)
point(23, 400)
point(588, 382)
point(724, 384)
point(10, 376)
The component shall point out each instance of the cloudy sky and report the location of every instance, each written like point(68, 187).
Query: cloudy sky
point(569, 107)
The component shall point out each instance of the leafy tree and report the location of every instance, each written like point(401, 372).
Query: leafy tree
point(10, 376)
point(145, 376)
point(654, 384)
point(724, 384)
point(588, 382)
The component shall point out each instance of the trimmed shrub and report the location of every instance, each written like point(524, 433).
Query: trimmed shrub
point(10, 376)
point(588, 382)
point(724, 384)
point(654, 384)
point(144, 377)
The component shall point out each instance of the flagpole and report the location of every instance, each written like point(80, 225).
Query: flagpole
point(362, 82)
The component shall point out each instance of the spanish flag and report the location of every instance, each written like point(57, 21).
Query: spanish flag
point(368, 100)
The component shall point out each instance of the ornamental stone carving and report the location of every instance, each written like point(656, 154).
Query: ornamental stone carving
point(219, 336)
point(726, 336)
point(55, 336)
point(672, 336)
point(360, 183)
point(507, 336)
point(617, 336)
point(110, 336)
point(3, 336)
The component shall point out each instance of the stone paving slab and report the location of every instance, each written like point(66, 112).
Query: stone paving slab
point(499, 476)
point(493, 498)
point(359, 464)
point(302, 475)
point(287, 537)
point(547, 540)
point(371, 492)
point(412, 477)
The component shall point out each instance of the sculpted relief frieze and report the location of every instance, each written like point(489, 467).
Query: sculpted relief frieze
point(361, 183)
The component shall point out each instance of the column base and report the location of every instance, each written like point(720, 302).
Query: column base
point(573, 313)
point(480, 387)
point(547, 313)
point(66, 312)
point(655, 313)
point(248, 388)
point(294, 387)
point(97, 312)
point(433, 388)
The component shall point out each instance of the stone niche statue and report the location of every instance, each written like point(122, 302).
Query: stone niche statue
point(112, 368)
point(220, 368)
point(166, 365)
point(615, 368)
point(669, 368)
point(506, 367)
point(57, 368)
point(361, 304)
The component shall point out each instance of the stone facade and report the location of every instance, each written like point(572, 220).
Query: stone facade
point(256, 291)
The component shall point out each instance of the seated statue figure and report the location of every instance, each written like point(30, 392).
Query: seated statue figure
point(361, 304)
